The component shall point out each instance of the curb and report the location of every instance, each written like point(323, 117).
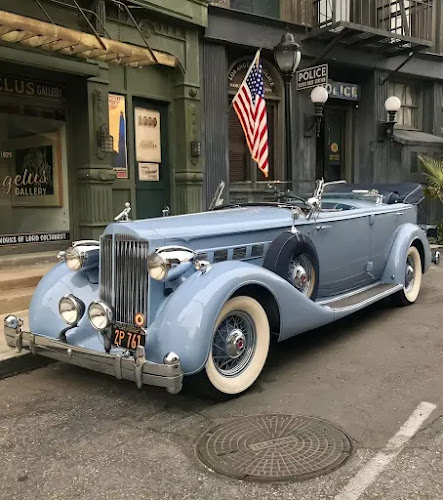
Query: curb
point(20, 363)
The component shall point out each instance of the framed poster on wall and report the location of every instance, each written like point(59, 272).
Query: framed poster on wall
point(37, 179)
point(117, 128)
point(147, 135)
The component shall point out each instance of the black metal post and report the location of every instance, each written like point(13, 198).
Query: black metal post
point(288, 127)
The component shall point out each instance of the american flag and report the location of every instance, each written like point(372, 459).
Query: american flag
point(250, 105)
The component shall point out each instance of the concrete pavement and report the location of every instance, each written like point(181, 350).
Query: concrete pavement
point(69, 433)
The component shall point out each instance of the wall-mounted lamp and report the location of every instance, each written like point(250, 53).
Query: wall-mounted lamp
point(105, 141)
point(319, 96)
point(386, 128)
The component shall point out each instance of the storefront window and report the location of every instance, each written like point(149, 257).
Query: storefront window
point(300, 12)
point(408, 116)
point(33, 163)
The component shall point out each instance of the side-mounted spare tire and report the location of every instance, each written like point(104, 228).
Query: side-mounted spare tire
point(293, 257)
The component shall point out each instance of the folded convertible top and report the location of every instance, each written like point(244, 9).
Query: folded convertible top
point(392, 193)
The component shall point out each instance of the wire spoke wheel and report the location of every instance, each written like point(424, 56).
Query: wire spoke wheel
point(301, 274)
point(240, 345)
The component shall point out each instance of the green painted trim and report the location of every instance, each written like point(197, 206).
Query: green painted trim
point(49, 62)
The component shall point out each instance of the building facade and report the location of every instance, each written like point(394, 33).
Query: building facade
point(99, 106)
point(373, 49)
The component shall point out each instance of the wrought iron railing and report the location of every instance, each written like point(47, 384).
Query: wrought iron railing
point(411, 18)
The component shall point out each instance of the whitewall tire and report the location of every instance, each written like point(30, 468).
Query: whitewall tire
point(240, 345)
point(413, 276)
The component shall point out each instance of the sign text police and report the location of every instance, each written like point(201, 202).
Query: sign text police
point(308, 78)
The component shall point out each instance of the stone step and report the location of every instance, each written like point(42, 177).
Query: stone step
point(15, 300)
point(27, 260)
point(22, 277)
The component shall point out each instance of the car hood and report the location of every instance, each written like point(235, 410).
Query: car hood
point(206, 224)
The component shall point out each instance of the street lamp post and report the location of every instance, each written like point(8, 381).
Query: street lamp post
point(287, 56)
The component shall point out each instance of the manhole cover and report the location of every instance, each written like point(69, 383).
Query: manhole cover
point(274, 448)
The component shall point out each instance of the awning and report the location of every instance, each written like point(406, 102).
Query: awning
point(39, 34)
point(413, 137)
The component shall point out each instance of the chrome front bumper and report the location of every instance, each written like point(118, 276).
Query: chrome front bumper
point(136, 369)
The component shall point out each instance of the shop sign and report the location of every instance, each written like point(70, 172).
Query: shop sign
point(315, 76)
point(26, 238)
point(117, 129)
point(11, 85)
point(238, 73)
point(147, 135)
point(148, 172)
point(345, 91)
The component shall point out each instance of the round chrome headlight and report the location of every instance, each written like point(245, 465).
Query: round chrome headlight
point(74, 259)
point(71, 309)
point(100, 315)
point(157, 267)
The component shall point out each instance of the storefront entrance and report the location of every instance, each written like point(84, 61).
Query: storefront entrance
point(151, 158)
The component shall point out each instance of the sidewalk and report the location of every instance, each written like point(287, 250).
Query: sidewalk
point(12, 362)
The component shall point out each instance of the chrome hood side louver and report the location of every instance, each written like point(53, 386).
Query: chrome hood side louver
point(124, 276)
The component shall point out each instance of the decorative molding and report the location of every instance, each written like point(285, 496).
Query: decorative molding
point(189, 177)
point(104, 175)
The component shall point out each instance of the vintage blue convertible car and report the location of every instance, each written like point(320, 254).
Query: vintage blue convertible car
point(155, 300)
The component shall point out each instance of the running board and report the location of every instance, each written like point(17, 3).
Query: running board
point(362, 299)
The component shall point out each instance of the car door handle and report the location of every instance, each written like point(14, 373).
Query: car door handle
point(322, 228)
point(399, 213)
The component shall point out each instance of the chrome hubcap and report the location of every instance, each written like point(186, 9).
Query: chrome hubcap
point(234, 343)
point(410, 274)
point(301, 273)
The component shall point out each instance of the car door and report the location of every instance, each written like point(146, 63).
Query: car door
point(343, 244)
point(384, 224)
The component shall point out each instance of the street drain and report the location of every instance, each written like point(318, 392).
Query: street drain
point(274, 448)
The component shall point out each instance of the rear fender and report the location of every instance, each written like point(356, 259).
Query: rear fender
point(185, 322)
point(407, 234)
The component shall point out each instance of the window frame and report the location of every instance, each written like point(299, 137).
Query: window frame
point(418, 107)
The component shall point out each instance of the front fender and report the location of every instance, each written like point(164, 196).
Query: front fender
point(44, 318)
point(186, 321)
point(394, 271)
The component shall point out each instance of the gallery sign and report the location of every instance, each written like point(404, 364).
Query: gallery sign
point(20, 239)
point(315, 76)
point(11, 85)
point(345, 91)
point(147, 135)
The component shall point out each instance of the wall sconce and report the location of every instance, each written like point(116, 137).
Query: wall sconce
point(319, 96)
point(105, 141)
point(386, 128)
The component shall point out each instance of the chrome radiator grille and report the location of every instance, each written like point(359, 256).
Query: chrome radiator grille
point(124, 276)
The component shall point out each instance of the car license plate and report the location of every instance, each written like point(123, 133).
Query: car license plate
point(127, 338)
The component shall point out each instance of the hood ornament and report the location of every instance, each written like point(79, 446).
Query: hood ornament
point(217, 200)
point(124, 215)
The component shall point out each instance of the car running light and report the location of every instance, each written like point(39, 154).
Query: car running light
point(71, 309)
point(157, 267)
point(100, 315)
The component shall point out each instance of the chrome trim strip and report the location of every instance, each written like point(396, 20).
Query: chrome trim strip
point(369, 301)
point(336, 298)
point(141, 371)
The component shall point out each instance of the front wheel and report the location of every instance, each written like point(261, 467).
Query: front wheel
point(413, 274)
point(240, 345)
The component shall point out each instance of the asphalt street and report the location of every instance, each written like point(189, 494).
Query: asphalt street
point(67, 433)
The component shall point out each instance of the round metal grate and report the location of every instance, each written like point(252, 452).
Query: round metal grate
point(274, 448)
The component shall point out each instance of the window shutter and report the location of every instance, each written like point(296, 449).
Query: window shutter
point(238, 150)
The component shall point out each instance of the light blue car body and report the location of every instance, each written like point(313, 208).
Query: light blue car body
point(363, 244)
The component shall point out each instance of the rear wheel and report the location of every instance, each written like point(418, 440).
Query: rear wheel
point(240, 345)
point(413, 275)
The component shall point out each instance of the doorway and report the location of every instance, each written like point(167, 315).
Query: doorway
point(152, 162)
point(331, 145)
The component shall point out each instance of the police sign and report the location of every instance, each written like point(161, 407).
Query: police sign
point(308, 78)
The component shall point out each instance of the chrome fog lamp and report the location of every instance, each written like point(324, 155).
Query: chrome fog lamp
point(157, 267)
point(100, 315)
point(71, 309)
point(74, 258)
point(166, 258)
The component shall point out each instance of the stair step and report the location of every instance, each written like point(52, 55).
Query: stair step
point(15, 300)
point(28, 259)
point(382, 289)
point(22, 277)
